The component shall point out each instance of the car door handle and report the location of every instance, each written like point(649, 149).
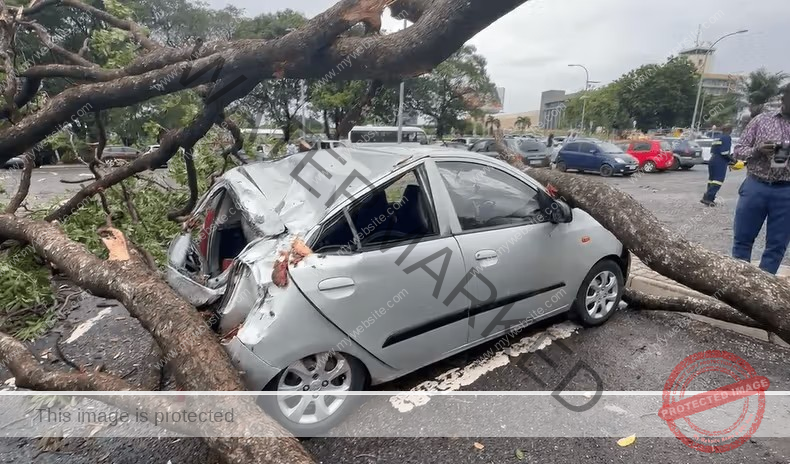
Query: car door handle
point(485, 254)
point(335, 283)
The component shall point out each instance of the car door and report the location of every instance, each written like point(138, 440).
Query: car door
point(591, 158)
point(641, 151)
point(387, 274)
point(570, 155)
point(517, 257)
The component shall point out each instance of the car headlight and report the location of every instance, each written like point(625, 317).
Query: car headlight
point(620, 160)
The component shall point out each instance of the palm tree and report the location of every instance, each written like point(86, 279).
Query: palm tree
point(760, 88)
point(492, 123)
point(523, 122)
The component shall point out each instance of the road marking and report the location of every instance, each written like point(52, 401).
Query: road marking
point(458, 377)
point(83, 328)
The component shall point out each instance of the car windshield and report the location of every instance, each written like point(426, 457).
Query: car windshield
point(610, 148)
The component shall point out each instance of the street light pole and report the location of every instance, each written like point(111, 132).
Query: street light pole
point(586, 86)
point(400, 104)
point(702, 74)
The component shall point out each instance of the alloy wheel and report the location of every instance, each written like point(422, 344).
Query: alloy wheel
point(312, 382)
point(601, 295)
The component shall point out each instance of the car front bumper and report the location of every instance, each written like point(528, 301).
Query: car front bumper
point(625, 168)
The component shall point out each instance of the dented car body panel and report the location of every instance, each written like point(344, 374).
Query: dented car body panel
point(397, 256)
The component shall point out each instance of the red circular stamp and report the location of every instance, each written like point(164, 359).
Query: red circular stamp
point(736, 424)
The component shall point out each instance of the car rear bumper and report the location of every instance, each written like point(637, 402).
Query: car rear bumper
point(690, 161)
point(542, 162)
point(256, 372)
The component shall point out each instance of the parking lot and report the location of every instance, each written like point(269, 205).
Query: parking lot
point(622, 354)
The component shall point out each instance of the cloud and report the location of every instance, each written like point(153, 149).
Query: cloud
point(529, 49)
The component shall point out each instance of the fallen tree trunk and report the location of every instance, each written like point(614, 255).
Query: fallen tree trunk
point(189, 346)
point(761, 296)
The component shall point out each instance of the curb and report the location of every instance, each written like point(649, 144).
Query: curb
point(655, 287)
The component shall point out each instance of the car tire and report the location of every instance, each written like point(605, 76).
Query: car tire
point(561, 166)
point(606, 170)
point(587, 308)
point(305, 427)
point(686, 168)
point(675, 164)
point(650, 167)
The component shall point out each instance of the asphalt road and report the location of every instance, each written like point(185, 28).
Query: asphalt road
point(633, 352)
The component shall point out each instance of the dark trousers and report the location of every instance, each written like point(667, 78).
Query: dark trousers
point(717, 171)
point(757, 202)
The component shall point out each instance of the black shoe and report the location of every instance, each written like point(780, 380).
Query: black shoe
point(707, 202)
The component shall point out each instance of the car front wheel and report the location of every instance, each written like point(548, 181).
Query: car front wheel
point(607, 171)
point(310, 399)
point(600, 293)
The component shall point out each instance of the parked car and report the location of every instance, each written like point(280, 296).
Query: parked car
point(652, 155)
point(706, 145)
point(327, 144)
point(687, 153)
point(386, 135)
point(533, 152)
point(595, 156)
point(118, 152)
point(14, 163)
point(295, 288)
point(468, 141)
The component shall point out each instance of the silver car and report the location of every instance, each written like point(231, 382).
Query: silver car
point(336, 270)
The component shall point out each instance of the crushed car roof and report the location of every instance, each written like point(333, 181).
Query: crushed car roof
point(295, 192)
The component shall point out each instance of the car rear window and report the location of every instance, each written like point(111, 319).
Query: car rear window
point(666, 146)
point(531, 146)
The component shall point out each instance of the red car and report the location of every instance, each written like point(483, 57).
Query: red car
point(653, 155)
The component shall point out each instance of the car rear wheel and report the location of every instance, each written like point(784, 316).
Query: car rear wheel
point(312, 408)
point(686, 168)
point(561, 166)
point(650, 167)
point(606, 170)
point(675, 164)
point(600, 293)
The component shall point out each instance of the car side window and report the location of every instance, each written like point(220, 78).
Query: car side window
point(398, 212)
point(571, 147)
point(642, 146)
point(587, 148)
point(485, 197)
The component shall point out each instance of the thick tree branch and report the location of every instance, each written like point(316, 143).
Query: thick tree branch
point(45, 38)
point(761, 296)
point(7, 55)
point(29, 373)
point(189, 161)
point(707, 307)
point(438, 33)
point(170, 144)
point(24, 185)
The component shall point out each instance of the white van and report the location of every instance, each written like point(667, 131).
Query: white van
point(386, 135)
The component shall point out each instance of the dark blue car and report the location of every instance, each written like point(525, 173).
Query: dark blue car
point(595, 156)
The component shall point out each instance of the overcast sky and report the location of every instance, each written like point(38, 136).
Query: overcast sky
point(529, 49)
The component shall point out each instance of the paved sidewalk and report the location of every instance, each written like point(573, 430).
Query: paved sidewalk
point(649, 281)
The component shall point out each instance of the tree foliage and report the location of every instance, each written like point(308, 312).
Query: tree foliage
point(760, 87)
point(452, 90)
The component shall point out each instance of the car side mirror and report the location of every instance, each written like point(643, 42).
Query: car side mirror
point(561, 213)
point(556, 211)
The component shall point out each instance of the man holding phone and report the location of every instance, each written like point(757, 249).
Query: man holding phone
point(765, 194)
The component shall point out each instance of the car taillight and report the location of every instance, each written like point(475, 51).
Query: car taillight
point(208, 223)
